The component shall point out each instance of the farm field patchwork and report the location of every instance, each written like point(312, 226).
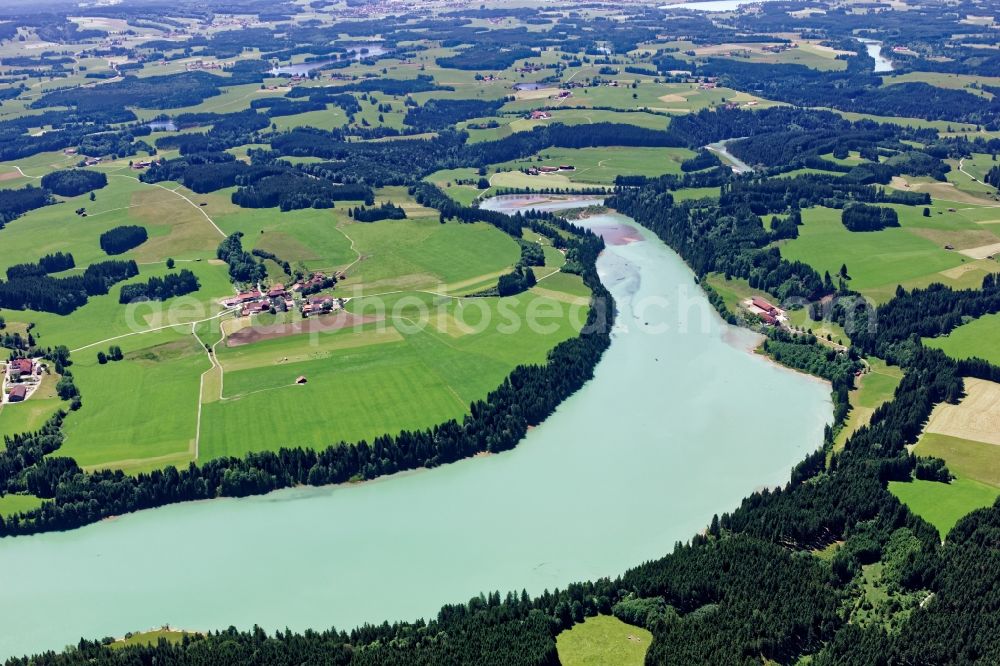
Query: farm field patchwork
point(424, 376)
point(979, 461)
point(599, 165)
point(965, 436)
point(911, 255)
point(427, 370)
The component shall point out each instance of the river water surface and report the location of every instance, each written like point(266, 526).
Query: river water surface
point(677, 424)
point(874, 48)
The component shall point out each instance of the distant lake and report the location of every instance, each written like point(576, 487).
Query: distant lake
point(874, 48)
point(531, 86)
point(162, 126)
point(681, 421)
point(304, 68)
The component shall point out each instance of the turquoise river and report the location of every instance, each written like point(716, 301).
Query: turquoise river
point(681, 421)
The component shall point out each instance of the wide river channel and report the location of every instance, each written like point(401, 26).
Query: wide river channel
point(680, 421)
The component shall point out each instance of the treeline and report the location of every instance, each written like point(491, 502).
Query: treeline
point(704, 159)
point(262, 184)
point(292, 190)
point(169, 91)
point(159, 289)
point(14, 203)
point(64, 295)
point(764, 195)
point(856, 89)
point(921, 313)
point(199, 172)
point(228, 131)
point(803, 352)
point(519, 280)
point(387, 211)
point(50, 263)
point(242, 265)
point(486, 57)
point(403, 162)
point(122, 239)
point(437, 114)
point(992, 177)
point(388, 86)
point(862, 217)
point(70, 128)
point(74, 182)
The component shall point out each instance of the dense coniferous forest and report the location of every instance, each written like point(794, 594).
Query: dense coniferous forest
point(50, 263)
point(386, 211)
point(445, 113)
point(74, 182)
point(486, 57)
point(122, 239)
point(243, 267)
point(159, 289)
point(862, 217)
point(16, 202)
point(63, 295)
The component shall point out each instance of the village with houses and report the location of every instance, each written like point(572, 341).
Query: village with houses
point(303, 296)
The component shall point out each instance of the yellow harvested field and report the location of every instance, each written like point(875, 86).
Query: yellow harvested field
point(970, 267)
point(729, 47)
point(976, 417)
point(943, 191)
point(816, 47)
point(983, 251)
point(673, 98)
point(540, 93)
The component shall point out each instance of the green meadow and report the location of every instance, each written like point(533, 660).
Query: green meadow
point(510, 124)
point(978, 461)
point(424, 254)
point(911, 255)
point(876, 387)
point(139, 410)
point(978, 338)
point(11, 504)
point(944, 504)
point(601, 641)
point(104, 319)
point(426, 369)
point(32, 414)
point(152, 637)
point(601, 165)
